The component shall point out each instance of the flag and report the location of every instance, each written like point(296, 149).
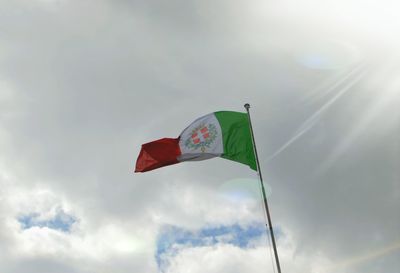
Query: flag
point(223, 134)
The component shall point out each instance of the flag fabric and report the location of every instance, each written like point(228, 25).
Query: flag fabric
point(223, 134)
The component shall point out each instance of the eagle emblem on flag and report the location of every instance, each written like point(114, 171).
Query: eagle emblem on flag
point(201, 137)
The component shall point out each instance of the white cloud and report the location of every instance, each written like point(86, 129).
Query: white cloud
point(229, 258)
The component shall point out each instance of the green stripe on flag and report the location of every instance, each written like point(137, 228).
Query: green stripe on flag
point(236, 137)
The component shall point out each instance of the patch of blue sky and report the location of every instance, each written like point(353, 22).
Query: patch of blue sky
point(61, 221)
point(173, 239)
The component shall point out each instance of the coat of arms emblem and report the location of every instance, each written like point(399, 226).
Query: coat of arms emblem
point(201, 137)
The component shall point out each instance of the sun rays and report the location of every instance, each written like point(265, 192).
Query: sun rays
point(346, 83)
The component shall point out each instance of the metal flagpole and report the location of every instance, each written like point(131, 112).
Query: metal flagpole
point(269, 225)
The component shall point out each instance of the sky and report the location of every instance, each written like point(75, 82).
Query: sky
point(84, 83)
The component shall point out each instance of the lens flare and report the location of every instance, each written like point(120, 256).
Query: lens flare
point(243, 189)
point(356, 260)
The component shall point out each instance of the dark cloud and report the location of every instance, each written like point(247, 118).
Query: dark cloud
point(85, 83)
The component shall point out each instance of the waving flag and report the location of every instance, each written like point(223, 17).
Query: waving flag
point(223, 134)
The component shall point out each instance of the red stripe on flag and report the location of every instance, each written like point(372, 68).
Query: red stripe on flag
point(156, 154)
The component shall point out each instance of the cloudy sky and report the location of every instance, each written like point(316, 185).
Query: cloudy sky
point(84, 83)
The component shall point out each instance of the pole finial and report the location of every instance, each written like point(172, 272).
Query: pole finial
point(247, 106)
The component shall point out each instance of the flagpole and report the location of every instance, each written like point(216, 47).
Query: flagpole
point(269, 225)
